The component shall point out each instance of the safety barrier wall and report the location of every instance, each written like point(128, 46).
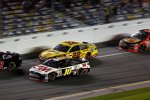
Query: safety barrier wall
point(93, 34)
point(0, 18)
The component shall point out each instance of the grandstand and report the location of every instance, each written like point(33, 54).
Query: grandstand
point(66, 15)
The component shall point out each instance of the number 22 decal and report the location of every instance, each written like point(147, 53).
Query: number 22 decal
point(76, 54)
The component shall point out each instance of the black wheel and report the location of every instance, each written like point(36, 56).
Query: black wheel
point(82, 71)
point(141, 48)
point(88, 56)
point(51, 76)
point(11, 66)
point(85, 71)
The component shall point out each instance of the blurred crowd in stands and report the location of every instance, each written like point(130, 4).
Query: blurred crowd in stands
point(34, 16)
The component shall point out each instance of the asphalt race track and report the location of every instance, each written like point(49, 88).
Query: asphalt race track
point(111, 68)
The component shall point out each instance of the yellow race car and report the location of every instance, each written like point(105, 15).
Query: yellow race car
point(70, 49)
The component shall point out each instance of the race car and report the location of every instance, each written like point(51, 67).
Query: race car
point(70, 49)
point(56, 67)
point(137, 42)
point(10, 60)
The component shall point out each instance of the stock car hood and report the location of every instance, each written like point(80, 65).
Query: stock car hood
point(42, 69)
point(50, 53)
point(131, 40)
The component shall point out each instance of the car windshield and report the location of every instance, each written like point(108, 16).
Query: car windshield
point(52, 63)
point(62, 48)
point(141, 35)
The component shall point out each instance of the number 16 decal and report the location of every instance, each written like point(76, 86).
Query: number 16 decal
point(67, 71)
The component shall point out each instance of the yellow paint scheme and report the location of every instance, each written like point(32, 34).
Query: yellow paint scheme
point(50, 53)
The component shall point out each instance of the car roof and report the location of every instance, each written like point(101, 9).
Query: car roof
point(70, 43)
point(146, 30)
point(63, 58)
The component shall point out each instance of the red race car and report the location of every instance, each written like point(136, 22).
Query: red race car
point(137, 42)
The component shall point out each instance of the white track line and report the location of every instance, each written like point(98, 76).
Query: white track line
point(112, 55)
point(98, 90)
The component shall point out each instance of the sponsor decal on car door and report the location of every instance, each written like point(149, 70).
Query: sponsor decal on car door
point(74, 52)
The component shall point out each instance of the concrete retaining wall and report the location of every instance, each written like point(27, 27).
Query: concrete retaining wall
point(94, 34)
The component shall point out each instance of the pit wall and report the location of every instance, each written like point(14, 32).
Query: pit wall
point(93, 34)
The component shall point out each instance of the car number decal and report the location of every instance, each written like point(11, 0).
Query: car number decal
point(1, 64)
point(76, 55)
point(67, 71)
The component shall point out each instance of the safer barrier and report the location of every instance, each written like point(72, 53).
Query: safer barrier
point(94, 34)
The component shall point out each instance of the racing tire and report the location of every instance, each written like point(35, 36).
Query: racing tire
point(11, 66)
point(141, 48)
point(82, 71)
point(51, 76)
point(88, 56)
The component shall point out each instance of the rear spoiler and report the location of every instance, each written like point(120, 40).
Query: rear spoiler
point(85, 42)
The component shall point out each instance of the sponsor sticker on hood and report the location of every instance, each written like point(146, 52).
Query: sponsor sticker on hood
point(131, 40)
point(51, 53)
point(42, 68)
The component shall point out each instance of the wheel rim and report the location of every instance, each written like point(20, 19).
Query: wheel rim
point(80, 72)
point(85, 71)
point(141, 48)
point(88, 56)
point(51, 77)
point(12, 65)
